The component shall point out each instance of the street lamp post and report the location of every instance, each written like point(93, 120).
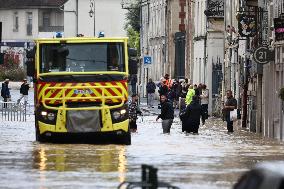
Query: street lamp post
point(92, 13)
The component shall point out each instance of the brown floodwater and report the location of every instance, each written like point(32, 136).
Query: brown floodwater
point(213, 159)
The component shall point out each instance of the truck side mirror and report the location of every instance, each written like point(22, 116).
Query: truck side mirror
point(30, 68)
point(30, 63)
point(132, 52)
point(132, 66)
point(132, 61)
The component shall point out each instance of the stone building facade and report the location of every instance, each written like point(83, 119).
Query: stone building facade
point(208, 44)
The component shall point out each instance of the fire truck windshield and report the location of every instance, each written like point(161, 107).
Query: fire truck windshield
point(82, 57)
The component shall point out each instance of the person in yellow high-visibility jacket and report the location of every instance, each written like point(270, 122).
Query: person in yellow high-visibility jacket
point(189, 95)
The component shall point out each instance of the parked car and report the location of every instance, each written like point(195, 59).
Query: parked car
point(269, 175)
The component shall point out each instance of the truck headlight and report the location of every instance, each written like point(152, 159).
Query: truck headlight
point(119, 115)
point(123, 111)
point(43, 113)
point(50, 116)
point(47, 116)
point(116, 114)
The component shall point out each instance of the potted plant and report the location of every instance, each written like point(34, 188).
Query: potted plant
point(281, 94)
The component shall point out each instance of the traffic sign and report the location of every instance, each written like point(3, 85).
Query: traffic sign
point(147, 60)
point(262, 55)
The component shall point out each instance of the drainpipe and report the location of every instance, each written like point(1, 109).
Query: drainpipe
point(77, 18)
point(142, 82)
point(224, 54)
point(262, 4)
point(94, 18)
point(245, 92)
point(205, 46)
point(166, 29)
point(232, 66)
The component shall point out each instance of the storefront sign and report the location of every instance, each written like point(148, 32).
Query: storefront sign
point(262, 55)
point(247, 25)
point(264, 27)
point(279, 28)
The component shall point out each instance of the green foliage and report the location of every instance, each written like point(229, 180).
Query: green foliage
point(132, 25)
point(134, 38)
point(281, 94)
point(133, 17)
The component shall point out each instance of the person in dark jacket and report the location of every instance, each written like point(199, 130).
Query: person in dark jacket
point(163, 90)
point(230, 104)
point(174, 93)
point(191, 116)
point(5, 91)
point(184, 88)
point(167, 114)
point(151, 87)
point(24, 90)
point(196, 90)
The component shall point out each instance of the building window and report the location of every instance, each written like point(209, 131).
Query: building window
point(200, 71)
point(29, 23)
point(197, 20)
point(201, 19)
point(15, 22)
point(46, 19)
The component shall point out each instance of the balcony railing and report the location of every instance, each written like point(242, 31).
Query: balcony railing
point(50, 28)
point(215, 9)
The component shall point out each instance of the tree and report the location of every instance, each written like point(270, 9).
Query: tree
point(133, 16)
point(134, 38)
point(132, 25)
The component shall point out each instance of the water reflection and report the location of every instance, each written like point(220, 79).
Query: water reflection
point(211, 160)
point(91, 158)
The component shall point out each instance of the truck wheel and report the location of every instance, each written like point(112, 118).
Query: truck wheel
point(127, 138)
point(38, 138)
point(37, 133)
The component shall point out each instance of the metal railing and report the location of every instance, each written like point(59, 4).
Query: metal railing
point(102, 96)
point(50, 28)
point(13, 111)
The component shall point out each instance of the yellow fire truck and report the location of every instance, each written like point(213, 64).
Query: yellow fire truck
point(80, 87)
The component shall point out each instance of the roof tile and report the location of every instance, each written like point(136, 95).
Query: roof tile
point(8, 4)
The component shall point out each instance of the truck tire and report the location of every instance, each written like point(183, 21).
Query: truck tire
point(127, 138)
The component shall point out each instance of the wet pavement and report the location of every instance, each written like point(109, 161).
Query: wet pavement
point(213, 159)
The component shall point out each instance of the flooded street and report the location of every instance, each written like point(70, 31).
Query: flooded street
point(212, 159)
